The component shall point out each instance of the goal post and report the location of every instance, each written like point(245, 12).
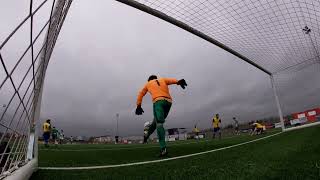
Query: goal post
point(277, 102)
point(20, 114)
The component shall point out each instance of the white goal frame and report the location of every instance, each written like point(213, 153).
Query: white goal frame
point(27, 163)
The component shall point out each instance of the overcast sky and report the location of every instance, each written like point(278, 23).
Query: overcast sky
point(107, 50)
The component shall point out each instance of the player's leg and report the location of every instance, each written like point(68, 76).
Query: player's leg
point(219, 130)
point(54, 138)
point(263, 129)
point(254, 132)
point(158, 113)
point(166, 107)
point(214, 133)
point(151, 129)
point(161, 136)
point(237, 131)
point(46, 139)
point(161, 110)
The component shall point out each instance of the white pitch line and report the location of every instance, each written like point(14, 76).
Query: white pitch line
point(156, 161)
point(302, 126)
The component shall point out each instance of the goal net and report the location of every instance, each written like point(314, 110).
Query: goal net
point(25, 50)
point(281, 38)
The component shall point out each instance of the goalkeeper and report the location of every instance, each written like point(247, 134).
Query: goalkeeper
point(159, 90)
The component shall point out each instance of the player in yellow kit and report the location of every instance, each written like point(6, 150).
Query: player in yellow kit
point(216, 121)
point(257, 128)
point(46, 132)
point(196, 132)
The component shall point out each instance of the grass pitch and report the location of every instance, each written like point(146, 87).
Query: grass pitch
point(290, 155)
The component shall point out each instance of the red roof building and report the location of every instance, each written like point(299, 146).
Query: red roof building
point(311, 114)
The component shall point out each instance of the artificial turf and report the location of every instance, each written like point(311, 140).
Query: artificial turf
point(290, 155)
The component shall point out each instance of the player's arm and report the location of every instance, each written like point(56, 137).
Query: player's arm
point(170, 81)
point(141, 94)
point(180, 82)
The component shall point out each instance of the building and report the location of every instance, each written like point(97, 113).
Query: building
point(103, 139)
point(310, 115)
point(132, 140)
point(176, 134)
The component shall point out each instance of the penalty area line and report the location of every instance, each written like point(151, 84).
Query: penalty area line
point(159, 160)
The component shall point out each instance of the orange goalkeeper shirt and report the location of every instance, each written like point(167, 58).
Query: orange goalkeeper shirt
point(158, 88)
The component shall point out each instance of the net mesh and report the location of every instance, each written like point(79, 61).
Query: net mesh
point(298, 90)
point(269, 33)
point(22, 73)
point(281, 38)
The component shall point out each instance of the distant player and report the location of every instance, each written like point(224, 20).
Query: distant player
point(196, 132)
point(216, 121)
point(46, 132)
point(236, 126)
point(116, 139)
point(162, 101)
point(55, 135)
point(257, 128)
point(61, 137)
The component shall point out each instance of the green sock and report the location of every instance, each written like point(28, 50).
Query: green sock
point(161, 135)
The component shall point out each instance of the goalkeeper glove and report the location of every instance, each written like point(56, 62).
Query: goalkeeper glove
point(182, 83)
point(139, 110)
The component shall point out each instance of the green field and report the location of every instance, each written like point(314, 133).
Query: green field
point(290, 155)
